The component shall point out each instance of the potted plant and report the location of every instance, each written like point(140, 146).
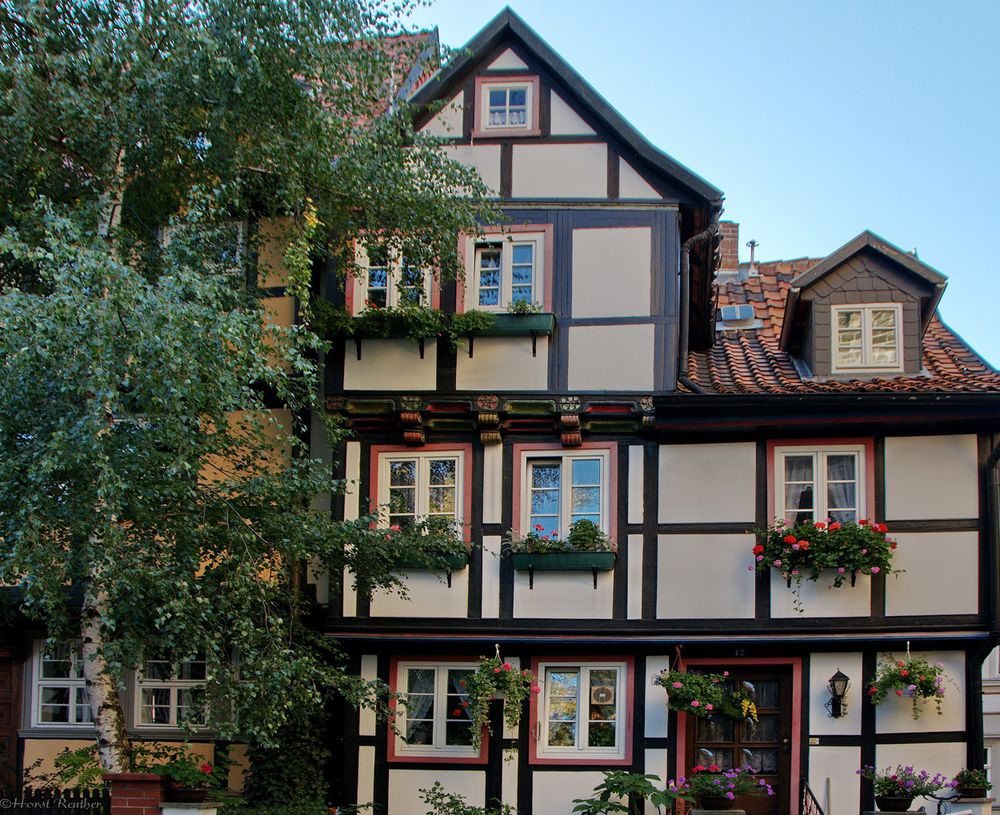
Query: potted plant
point(190, 777)
point(715, 788)
point(619, 786)
point(496, 678)
point(433, 543)
point(804, 550)
point(896, 788)
point(916, 678)
point(706, 695)
point(971, 783)
point(586, 547)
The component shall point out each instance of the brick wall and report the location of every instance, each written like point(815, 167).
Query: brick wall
point(730, 246)
point(135, 793)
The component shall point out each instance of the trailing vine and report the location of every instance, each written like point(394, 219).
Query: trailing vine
point(916, 678)
point(493, 677)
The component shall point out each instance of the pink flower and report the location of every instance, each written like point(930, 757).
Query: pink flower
point(899, 693)
point(760, 558)
point(676, 685)
point(695, 703)
point(841, 570)
point(395, 528)
point(535, 689)
point(496, 670)
point(709, 706)
point(725, 673)
point(506, 666)
point(777, 563)
point(875, 570)
point(795, 547)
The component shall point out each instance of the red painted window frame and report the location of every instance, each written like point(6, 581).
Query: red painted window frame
point(467, 244)
point(430, 757)
point(536, 702)
point(353, 287)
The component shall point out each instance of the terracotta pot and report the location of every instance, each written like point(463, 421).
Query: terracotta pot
point(892, 803)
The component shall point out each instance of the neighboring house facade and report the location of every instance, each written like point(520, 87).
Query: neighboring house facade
point(638, 400)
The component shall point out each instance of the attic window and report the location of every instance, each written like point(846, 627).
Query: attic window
point(737, 316)
point(866, 337)
point(507, 106)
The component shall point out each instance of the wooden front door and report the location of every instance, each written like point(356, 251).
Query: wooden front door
point(765, 745)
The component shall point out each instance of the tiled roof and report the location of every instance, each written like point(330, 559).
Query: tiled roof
point(750, 360)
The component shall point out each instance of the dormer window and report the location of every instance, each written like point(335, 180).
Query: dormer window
point(507, 106)
point(866, 337)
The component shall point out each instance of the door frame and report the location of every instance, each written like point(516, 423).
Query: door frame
point(795, 764)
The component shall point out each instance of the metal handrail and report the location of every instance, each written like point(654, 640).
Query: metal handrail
point(810, 806)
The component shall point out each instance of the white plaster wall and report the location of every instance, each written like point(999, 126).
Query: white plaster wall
point(366, 774)
point(492, 482)
point(485, 158)
point(491, 576)
point(366, 716)
point(821, 668)
point(390, 365)
point(405, 786)
point(634, 600)
point(448, 122)
point(947, 758)
point(611, 272)
point(611, 358)
point(508, 778)
point(352, 511)
point(941, 574)
point(569, 595)
point(553, 792)
point(633, 185)
point(636, 475)
point(656, 699)
point(833, 778)
point(560, 171)
point(895, 714)
point(427, 595)
point(503, 363)
point(704, 576)
point(564, 121)
point(507, 61)
point(821, 599)
point(707, 482)
point(656, 764)
point(931, 477)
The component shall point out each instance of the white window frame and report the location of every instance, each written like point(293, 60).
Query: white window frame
point(394, 276)
point(506, 243)
point(819, 454)
point(438, 749)
point(77, 686)
point(174, 685)
point(508, 85)
point(581, 751)
point(867, 362)
point(565, 459)
point(422, 498)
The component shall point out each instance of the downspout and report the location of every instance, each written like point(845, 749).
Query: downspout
point(685, 296)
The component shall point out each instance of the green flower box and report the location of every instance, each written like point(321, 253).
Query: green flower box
point(454, 561)
point(519, 325)
point(564, 561)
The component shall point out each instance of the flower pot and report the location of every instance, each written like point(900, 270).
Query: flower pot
point(972, 792)
point(893, 803)
point(715, 802)
point(185, 795)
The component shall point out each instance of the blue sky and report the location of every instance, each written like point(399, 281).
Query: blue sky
point(817, 120)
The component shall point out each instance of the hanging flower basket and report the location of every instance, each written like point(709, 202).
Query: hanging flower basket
point(805, 550)
point(917, 679)
point(706, 695)
point(495, 679)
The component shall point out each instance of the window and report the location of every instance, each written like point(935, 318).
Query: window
point(222, 245)
point(420, 486)
point(169, 693)
point(819, 483)
point(507, 106)
point(60, 692)
point(582, 712)
point(866, 337)
point(561, 489)
point(434, 717)
point(388, 282)
point(508, 272)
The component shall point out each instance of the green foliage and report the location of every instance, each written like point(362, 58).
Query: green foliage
point(468, 322)
point(495, 676)
point(706, 695)
point(414, 322)
point(970, 779)
point(902, 782)
point(713, 781)
point(626, 792)
point(584, 536)
point(523, 307)
point(915, 678)
point(441, 802)
point(805, 549)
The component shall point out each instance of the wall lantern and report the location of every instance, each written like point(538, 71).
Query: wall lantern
point(839, 683)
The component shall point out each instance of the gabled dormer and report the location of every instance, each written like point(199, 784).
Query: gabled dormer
point(862, 312)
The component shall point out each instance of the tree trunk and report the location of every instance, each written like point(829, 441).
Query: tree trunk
point(113, 745)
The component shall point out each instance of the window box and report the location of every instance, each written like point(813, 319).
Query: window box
point(564, 561)
point(520, 325)
point(452, 561)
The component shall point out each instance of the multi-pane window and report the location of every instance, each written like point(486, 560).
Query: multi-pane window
point(170, 693)
point(816, 484)
point(507, 272)
point(866, 337)
point(60, 689)
point(414, 487)
point(391, 282)
point(507, 106)
point(434, 716)
point(564, 490)
point(582, 710)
